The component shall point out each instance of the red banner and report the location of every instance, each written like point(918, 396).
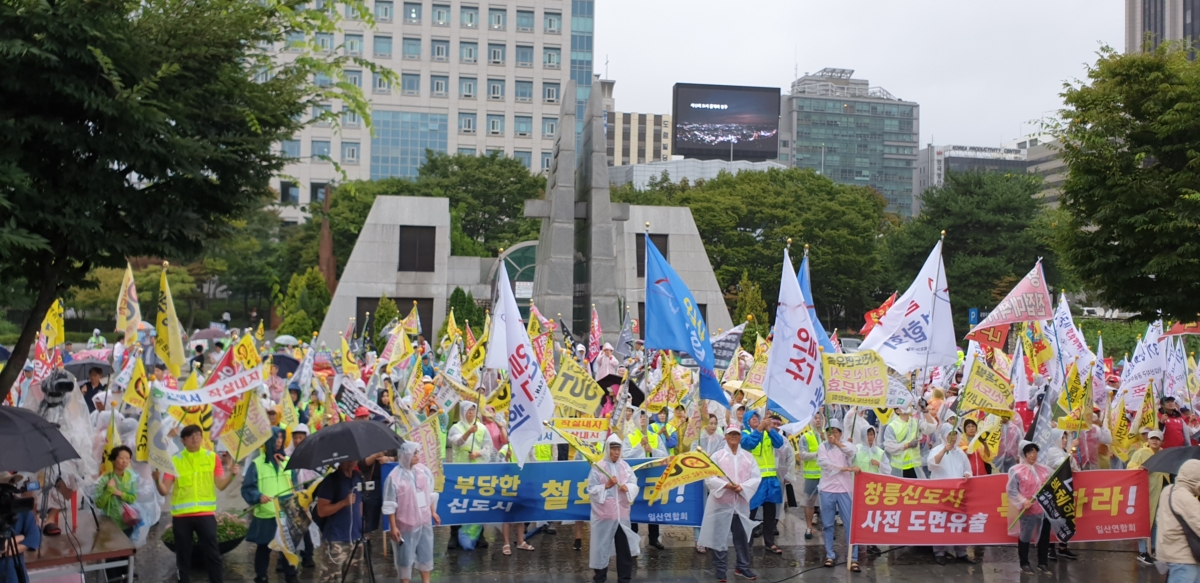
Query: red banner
point(1110, 505)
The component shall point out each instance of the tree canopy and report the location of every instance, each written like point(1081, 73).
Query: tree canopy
point(1130, 137)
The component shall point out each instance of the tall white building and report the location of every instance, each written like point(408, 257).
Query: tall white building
point(473, 77)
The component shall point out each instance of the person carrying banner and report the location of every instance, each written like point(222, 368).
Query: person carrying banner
point(265, 480)
point(1055, 455)
point(612, 487)
point(806, 455)
point(836, 459)
point(410, 504)
point(1179, 506)
point(947, 462)
point(470, 443)
point(1024, 481)
point(760, 438)
point(978, 460)
point(727, 511)
point(199, 473)
point(640, 444)
point(902, 441)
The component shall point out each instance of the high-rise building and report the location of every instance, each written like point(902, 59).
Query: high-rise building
point(638, 138)
point(933, 162)
point(1045, 159)
point(473, 78)
point(853, 133)
point(1162, 20)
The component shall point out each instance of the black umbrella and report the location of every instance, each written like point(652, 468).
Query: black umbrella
point(30, 442)
point(609, 381)
point(348, 440)
point(4, 354)
point(636, 396)
point(287, 365)
point(81, 368)
point(1168, 461)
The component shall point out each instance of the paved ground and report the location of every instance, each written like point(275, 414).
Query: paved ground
point(555, 560)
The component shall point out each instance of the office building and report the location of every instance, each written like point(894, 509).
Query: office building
point(1161, 20)
point(472, 77)
point(1044, 159)
point(933, 162)
point(853, 133)
point(640, 175)
point(638, 138)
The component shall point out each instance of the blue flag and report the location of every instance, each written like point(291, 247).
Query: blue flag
point(806, 288)
point(673, 321)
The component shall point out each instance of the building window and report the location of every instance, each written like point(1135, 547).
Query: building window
point(468, 52)
point(469, 17)
point(497, 18)
point(550, 92)
point(549, 127)
point(354, 44)
point(495, 152)
point(412, 12)
point(547, 160)
point(316, 192)
point(466, 123)
point(354, 78)
point(495, 125)
point(467, 151)
point(325, 41)
point(412, 48)
point(659, 241)
point(383, 47)
point(410, 83)
point(525, 157)
point(289, 192)
point(350, 152)
point(496, 89)
point(441, 15)
point(417, 247)
point(400, 140)
point(383, 11)
point(524, 56)
point(553, 22)
point(466, 87)
point(524, 91)
point(322, 80)
point(382, 85)
point(320, 114)
point(525, 21)
point(294, 40)
point(552, 58)
point(440, 85)
point(320, 149)
point(349, 118)
point(290, 148)
point(440, 50)
point(496, 54)
point(523, 125)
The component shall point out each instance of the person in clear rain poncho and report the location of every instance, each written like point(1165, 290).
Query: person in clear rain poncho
point(947, 462)
point(727, 510)
point(1024, 481)
point(612, 496)
point(409, 502)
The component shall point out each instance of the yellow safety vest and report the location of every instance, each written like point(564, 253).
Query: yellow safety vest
point(911, 457)
point(272, 483)
point(543, 452)
point(473, 443)
point(812, 469)
point(764, 455)
point(654, 427)
point(195, 489)
point(635, 439)
point(864, 456)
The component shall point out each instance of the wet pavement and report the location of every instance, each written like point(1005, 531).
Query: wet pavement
point(555, 561)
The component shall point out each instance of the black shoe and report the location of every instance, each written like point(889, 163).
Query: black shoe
point(453, 543)
point(940, 559)
point(482, 544)
point(874, 551)
point(309, 564)
point(549, 529)
point(658, 545)
point(965, 559)
point(1044, 569)
point(748, 575)
point(1068, 554)
point(1053, 556)
point(1145, 559)
point(757, 532)
point(1026, 569)
point(292, 579)
point(578, 544)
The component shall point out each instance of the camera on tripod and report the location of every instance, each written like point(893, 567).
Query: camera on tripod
point(57, 386)
point(11, 505)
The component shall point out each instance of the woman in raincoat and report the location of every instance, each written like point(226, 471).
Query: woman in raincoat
point(727, 510)
point(409, 502)
point(947, 462)
point(611, 496)
point(1055, 454)
point(1024, 481)
point(470, 443)
point(265, 480)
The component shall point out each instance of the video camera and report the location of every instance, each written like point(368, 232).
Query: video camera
point(56, 387)
point(11, 505)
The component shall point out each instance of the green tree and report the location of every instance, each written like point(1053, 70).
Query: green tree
point(384, 314)
point(1132, 210)
point(752, 309)
point(142, 128)
point(98, 295)
point(244, 260)
point(465, 309)
point(303, 308)
point(992, 238)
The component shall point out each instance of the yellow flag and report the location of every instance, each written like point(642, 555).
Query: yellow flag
point(261, 334)
point(476, 357)
point(169, 343)
point(141, 451)
point(501, 398)
point(761, 346)
point(575, 388)
point(254, 431)
point(246, 354)
point(138, 390)
point(129, 311)
point(534, 329)
point(349, 364)
point(52, 325)
point(412, 322)
point(589, 451)
point(452, 330)
point(403, 349)
point(1076, 399)
point(682, 469)
point(237, 419)
point(290, 417)
point(111, 440)
point(885, 415)
point(987, 391)
point(192, 383)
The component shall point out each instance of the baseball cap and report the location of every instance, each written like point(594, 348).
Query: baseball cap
point(361, 412)
point(1154, 434)
point(733, 428)
point(301, 428)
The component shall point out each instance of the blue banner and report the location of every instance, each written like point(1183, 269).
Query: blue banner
point(548, 491)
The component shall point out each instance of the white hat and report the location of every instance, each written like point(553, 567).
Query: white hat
point(360, 384)
point(607, 346)
point(1153, 434)
point(614, 440)
point(835, 424)
point(301, 428)
point(95, 331)
point(733, 428)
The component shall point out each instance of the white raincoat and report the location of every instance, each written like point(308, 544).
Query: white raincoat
point(954, 464)
point(723, 504)
point(1055, 454)
point(408, 494)
point(610, 509)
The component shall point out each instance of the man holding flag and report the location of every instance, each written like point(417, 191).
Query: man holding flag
point(612, 487)
point(727, 510)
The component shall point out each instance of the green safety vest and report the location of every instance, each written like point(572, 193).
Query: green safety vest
point(462, 455)
point(670, 431)
point(542, 453)
point(635, 439)
point(865, 455)
point(812, 469)
point(272, 483)
point(911, 457)
point(195, 489)
point(764, 455)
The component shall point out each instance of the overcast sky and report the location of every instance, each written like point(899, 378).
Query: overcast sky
point(981, 71)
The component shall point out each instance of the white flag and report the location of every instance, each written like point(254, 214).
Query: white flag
point(1146, 364)
point(1175, 374)
point(1017, 375)
point(453, 366)
point(1099, 382)
point(913, 334)
point(1067, 337)
point(531, 400)
point(974, 352)
point(794, 363)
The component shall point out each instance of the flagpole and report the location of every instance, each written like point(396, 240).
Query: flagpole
point(937, 282)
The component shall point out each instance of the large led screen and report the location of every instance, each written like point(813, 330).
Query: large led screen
point(722, 122)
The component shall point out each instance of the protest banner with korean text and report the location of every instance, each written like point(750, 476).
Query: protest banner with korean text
point(859, 378)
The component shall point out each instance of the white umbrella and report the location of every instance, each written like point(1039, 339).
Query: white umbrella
point(286, 340)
